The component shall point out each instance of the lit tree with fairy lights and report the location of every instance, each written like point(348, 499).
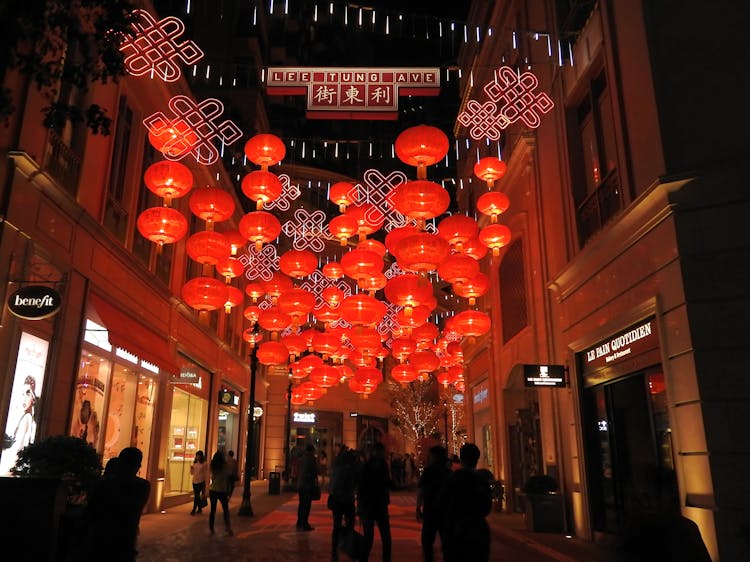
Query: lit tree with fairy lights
point(416, 409)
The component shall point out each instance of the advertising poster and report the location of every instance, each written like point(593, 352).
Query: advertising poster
point(28, 379)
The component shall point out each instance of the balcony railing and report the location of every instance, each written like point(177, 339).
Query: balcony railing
point(599, 207)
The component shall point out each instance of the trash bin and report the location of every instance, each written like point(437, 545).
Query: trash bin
point(274, 483)
point(544, 513)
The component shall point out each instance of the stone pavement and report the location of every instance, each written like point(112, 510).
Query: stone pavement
point(270, 535)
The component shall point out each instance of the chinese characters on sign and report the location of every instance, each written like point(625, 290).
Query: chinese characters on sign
point(353, 93)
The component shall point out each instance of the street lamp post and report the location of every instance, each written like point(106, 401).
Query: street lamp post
point(445, 420)
point(288, 431)
point(246, 509)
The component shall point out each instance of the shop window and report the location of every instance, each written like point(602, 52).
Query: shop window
point(513, 292)
point(116, 213)
point(186, 437)
point(113, 403)
point(597, 191)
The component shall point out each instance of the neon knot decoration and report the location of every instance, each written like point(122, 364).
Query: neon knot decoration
point(316, 283)
point(154, 47)
point(289, 192)
point(512, 98)
point(200, 132)
point(260, 264)
point(308, 230)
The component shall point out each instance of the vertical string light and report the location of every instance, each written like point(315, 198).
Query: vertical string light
point(330, 8)
point(187, 7)
point(255, 15)
point(559, 53)
point(458, 156)
point(515, 40)
point(270, 7)
point(387, 25)
point(315, 13)
point(303, 150)
point(440, 29)
point(208, 71)
point(346, 14)
point(286, 7)
point(359, 18)
point(370, 154)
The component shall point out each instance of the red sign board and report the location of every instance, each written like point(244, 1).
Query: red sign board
point(352, 93)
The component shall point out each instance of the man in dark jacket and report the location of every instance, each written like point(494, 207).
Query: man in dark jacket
point(428, 499)
point(465, 502)
point(307, 480)
point(373, 497)
point(342, 488)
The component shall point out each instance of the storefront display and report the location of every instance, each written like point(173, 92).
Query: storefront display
point(480, 395)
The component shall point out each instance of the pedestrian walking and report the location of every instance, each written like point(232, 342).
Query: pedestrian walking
point(234, 474)
point(199, 473)
point(307, 481)
point(431, 484)
point(342, 489)
point(465, 501)
point(373, 498)
point(218, 492)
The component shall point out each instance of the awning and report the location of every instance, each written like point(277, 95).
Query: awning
point(129, 334)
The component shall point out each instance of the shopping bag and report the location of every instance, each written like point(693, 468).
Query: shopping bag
point(203, 502)
point(352, 542)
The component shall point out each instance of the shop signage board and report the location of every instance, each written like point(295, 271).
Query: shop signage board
point(304, 417)
point(34, 302)
point(186, 376)
point(550, 376)
point(352, 93)
point(623, 345)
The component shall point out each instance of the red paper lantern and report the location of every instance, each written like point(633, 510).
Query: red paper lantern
point(230, 268)
point(236, 240)
point(262, 187)
point(168, 179)
point(417, 317)
point(344, 372)
point(207, 247)
point(369, 218)
point(404, 373)
point(493, 203)
point(326, 315)
point(424, 334)
point(272, 353)
point(458, 268)
point(311, 391)
point(474, 248)
point(446, 378)
point(278, 284)
point(362, 310)
point(471, 323)
point(420, 199)
point(402, 348)
point(265, 149)
point(368, 376)
point(297, 397)
point(295, 343)
point(360, 264)
point(205, 293)
point(424, 361)
point(259, 227)
point(495, 236)
point(162, 225)
point(252, 313)
point(457, 230)
point(421, 146)
point(212, 204)
point(343, 227)
point(234, 298)
point(297, 303)
point(333, 296)
point(359, 388)
point(365, 339)
point(395, 236)
point(333, 270)
point(325, 376)
point(472, 288)
point(490, 169)
point(174, 140)
point(310, 362)
point(422, 252)
point(326, 343)
point(255, 290)
point(252, 337)
point(342, 194)
point(298, 263)
point(372, 245)
point(274, 320)
point(373, 283)
point(408, 290)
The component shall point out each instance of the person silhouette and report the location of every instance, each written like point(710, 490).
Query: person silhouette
point(466, 500)
point(306, 481)
point(115, 507)
point(428, 499)
point(342, 488)
point(373, 497)
point(219, 491)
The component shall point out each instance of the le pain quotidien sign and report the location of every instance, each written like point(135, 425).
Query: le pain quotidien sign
point(34, 302)
point(632, 341)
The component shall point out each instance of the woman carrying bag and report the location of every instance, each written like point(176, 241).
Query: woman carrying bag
point(199, 472)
